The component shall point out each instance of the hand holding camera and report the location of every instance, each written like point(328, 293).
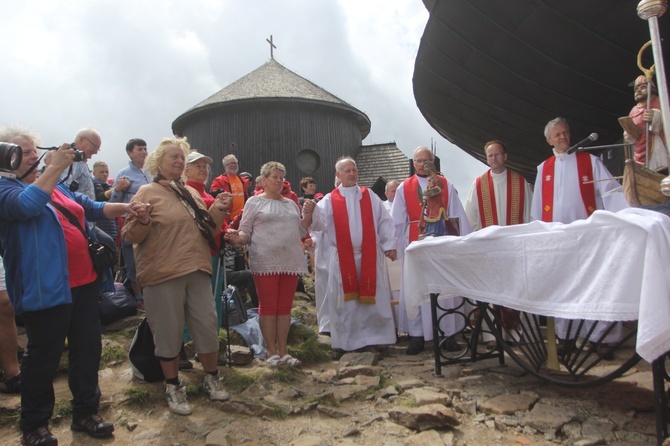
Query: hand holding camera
point(63, 156)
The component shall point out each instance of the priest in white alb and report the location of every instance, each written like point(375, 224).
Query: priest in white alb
point(499, 197)
point(358, 233)
point(408, 207)
point(571, 187)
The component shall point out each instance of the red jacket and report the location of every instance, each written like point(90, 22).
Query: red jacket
point(221, 182)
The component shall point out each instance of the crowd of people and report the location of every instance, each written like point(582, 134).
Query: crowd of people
point(173, 229)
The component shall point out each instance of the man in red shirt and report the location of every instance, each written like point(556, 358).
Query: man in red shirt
point(231, 182)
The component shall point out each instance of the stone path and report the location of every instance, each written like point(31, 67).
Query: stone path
point(393, 402)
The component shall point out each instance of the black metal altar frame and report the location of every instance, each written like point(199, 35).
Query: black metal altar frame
point(475, 315)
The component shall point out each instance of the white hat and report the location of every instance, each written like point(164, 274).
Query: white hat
point(195, 156)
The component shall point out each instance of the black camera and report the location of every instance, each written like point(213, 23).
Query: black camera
point(10, 156)
point(78, 154)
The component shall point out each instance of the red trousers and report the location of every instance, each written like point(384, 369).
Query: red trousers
point(275, 293)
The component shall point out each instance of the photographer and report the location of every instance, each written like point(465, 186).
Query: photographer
point(52, 284)
point(88, 142)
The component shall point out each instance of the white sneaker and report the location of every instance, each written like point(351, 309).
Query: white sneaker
point(214, 388)
point(176, 397)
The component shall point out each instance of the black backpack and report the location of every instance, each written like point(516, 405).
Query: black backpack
point(234, 313)
point(146, 366)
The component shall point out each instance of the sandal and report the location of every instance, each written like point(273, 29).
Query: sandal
point(274, 360)
point(290, 360)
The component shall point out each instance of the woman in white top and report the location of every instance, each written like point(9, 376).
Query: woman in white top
point(273, 227)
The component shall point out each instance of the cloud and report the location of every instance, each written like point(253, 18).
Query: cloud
point(130, 68)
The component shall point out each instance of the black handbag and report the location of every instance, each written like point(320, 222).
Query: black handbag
point(143, 361)
point(234, 312)
point(102, 256)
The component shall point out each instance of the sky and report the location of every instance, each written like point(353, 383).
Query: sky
point(130, 68)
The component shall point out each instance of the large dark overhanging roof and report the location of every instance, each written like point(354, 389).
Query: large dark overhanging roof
point(501, 69)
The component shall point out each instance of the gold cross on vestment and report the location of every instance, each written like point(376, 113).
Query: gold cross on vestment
point(350, 278)
point(272, 47)
point(368, 282)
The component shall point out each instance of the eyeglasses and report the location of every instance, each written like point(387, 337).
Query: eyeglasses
point(422, 161)
point(233, 163)
point(95, 146)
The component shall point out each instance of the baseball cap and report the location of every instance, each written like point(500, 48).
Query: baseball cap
point(195, 156)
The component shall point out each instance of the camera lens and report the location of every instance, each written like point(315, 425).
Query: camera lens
point(10, 156)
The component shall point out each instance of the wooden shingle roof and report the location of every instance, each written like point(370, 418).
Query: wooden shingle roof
point(381, 160)
point(272, 81)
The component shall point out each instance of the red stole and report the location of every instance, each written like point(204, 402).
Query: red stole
point(488, 212)
point(588, 191)
point(367, 290)
point(414, 203)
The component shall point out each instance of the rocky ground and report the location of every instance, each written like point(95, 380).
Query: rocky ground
point(360, 400)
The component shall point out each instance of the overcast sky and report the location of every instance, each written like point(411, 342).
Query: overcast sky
point(130, 68)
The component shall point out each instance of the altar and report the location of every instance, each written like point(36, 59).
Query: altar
point(610, 267)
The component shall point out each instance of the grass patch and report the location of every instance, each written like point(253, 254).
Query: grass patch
point(277, 411)
point(311, 351)
point(385, 381)
point(283, 374)
point(235, 338)
point(138, 397)
point(194, 389)
point(406, 401)
point(298, 313)
point(62, 409)
point(9, 416)
point(322, 400)
point(112, 353)
point(300, 333)
point(239, 382)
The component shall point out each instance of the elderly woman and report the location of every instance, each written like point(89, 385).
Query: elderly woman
point(272, 227)
point(196, 174)
point(53, 286)
point(172, 252)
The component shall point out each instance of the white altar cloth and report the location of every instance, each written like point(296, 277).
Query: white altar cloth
point(612, 267)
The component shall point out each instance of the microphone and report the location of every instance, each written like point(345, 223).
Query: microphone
point(592, 137)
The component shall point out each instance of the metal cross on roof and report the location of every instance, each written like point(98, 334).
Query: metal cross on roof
point(272, 47)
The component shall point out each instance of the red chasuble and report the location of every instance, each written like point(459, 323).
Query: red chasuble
point(585, 174)
point(366, 288)
point(414, 203)
point(486, 197)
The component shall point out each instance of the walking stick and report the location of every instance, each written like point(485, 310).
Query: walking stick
point(221, 272)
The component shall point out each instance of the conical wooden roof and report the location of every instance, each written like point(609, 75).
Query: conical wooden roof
point(274, 82)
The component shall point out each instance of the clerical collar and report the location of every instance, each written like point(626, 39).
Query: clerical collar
point(559, 155)
point(421, 176)
point(493, 174)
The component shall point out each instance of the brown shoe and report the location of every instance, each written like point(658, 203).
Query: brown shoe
point(93, 425)
point(41, 436)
